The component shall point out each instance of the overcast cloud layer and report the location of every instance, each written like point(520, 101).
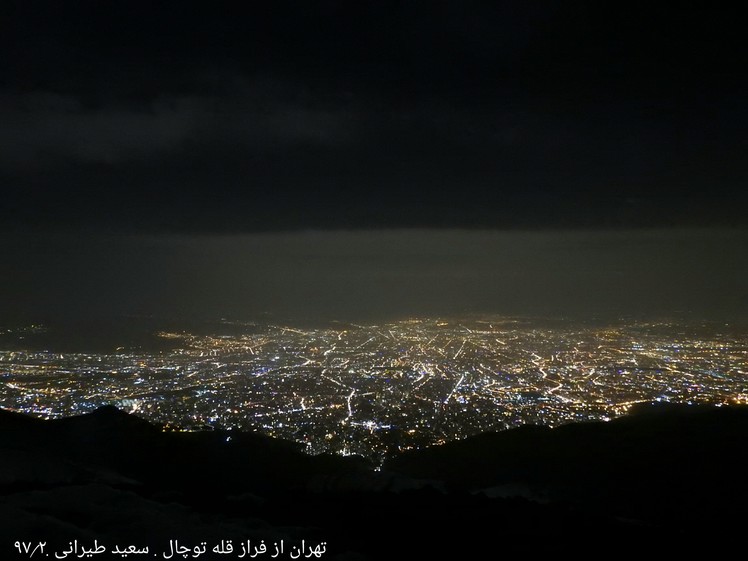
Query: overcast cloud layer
point(194, 117)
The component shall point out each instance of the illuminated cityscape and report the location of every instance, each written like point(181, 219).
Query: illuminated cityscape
point(373, 280)
point(373, 390)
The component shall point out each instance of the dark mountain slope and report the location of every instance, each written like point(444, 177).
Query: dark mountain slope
point(662, 464)
point(657, 479)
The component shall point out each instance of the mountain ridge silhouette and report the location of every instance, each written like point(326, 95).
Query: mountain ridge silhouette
point(661, 471)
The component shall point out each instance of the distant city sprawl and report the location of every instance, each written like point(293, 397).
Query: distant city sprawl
point(374, 390)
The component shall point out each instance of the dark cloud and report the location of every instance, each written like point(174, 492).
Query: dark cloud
point(276, 115)
point(43, 128)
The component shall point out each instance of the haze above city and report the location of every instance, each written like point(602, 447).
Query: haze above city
point(371, 276)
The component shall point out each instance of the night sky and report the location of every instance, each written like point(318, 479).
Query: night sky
point(346, 158)
point(284, 115)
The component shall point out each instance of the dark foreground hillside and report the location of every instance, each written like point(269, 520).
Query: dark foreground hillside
point(663, 480)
